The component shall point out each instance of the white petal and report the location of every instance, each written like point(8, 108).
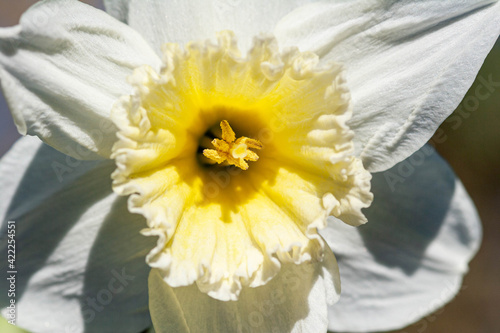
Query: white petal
point(8, 132)
point(118, 9)
point(16, 159)
point(62, 69)
point(409, 259)
point(294, 301)
point(80, 257)
point(408, 63)
point(182, 21)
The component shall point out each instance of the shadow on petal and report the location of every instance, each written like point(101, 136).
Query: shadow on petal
point(115, 295)
point(52, 196)
point(409, 208)
point(410, 258)
point(75, 240)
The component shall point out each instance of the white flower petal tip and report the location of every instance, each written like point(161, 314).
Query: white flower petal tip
point(408, 64)
point(410, 258)
point(61, 70)
point(294, 301)
point(223, 221)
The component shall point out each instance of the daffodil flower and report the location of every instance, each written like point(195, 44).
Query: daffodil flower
point(248, 164)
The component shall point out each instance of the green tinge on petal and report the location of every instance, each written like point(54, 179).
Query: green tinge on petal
point(295, 301)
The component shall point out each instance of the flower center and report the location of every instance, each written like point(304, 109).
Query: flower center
point(231, 150)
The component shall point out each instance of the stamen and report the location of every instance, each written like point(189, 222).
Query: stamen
point(234, 151)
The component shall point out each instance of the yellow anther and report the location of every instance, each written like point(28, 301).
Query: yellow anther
point(234, 151)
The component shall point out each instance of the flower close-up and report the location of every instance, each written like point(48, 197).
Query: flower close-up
point(231, 166)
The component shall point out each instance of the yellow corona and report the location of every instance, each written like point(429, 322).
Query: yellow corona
point(222, 223)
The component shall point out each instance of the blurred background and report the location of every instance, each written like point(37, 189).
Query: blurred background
point(470, 141)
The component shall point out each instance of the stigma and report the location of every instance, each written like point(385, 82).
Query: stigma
point(231, 150)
